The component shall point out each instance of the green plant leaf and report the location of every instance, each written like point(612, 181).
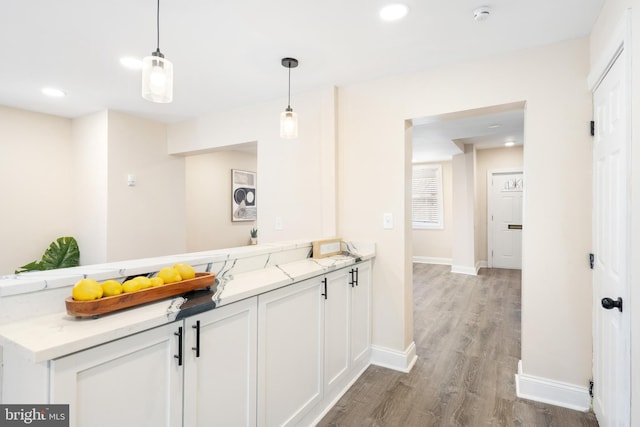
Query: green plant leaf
point(32, 266)
point(62, 253)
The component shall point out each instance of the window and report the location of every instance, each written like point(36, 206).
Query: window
point(426, 196)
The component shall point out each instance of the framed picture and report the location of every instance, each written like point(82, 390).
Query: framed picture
point(243, 196)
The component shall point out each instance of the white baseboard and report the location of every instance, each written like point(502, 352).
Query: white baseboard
point(401, 361)
point(431, 260)
point(552, 392)
point(471, 271)
point(463, 269)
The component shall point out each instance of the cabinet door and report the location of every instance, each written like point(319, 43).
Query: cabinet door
point(134, 381)
point(336, 328)
point(220, 379)
point(289, 353)
point(361, 315)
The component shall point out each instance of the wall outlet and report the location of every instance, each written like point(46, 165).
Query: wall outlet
point(279, 225)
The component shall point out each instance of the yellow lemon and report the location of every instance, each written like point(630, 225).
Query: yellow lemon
point(111, 288)
point(131, 285)
point(169, 275)
point(156, 281)
point(144, 282)
point(185, 270)
point(86, 290)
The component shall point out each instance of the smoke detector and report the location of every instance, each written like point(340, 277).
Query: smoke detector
point(482, 13)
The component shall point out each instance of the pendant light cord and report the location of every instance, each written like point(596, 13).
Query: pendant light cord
point(158, 27)
point(289, 96)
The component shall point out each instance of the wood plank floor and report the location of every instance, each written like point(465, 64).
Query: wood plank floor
point(467, 334)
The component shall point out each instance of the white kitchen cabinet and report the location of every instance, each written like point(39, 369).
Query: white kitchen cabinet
point(337, 300)
point(133, 381)
point(147, 379)
point(290, 352)
point(360, 320)
point(220, 366)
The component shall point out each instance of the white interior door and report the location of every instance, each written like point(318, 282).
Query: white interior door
point(610, 218)
point(505, 220)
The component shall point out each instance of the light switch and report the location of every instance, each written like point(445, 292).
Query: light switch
point(387, 221)
point(279, 225)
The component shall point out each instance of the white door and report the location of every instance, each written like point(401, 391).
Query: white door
point(610, 218)
point(505, 220)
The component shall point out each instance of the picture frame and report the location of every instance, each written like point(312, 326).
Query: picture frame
point(244, 205)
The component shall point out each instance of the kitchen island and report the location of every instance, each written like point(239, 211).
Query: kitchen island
point(275, 341)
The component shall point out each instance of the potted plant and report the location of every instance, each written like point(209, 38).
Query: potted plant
point(254, 236)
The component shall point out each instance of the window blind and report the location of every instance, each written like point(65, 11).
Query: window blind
point(426, 190)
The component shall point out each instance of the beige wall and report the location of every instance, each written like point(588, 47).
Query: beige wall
point(486, 160)
point(435, 245)
point(36, 176)
point(556, 333)
point(208, 200)
point(148, 219)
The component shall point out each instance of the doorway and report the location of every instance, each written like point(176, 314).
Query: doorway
point(504, 219)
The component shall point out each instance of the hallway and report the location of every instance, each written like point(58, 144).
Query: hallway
point(467, 334)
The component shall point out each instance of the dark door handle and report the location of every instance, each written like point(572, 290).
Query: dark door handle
point(197, 347)
point(608, 303)
point(179, 355)
point(325, 288)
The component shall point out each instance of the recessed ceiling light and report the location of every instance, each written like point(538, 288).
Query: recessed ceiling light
point(509, 144)
point(393, 12)
point(494, 126)
point(482, 13)
point(133, 63)
point(51, 91)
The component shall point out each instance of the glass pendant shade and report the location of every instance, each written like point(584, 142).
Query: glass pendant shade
point(288, 124)
point(157, 78)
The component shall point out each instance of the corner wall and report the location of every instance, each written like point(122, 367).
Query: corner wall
point(297, 178)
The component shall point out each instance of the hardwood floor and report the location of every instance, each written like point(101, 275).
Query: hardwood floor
point(467, 335)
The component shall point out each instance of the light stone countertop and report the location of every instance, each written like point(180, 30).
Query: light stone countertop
point(57, 334)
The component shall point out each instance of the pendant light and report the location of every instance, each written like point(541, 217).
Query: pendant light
point(157, 73)
point(289, 119)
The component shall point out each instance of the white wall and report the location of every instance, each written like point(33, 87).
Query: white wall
point(90, 151)
point(601, 36)
point(464, 212)
point(148, 219)
point(296, 177)
point(208, 200)
point(36, 177)
point(556, 333)
point(436, 244)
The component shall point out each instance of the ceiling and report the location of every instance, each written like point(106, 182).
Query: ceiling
point(439, 138)
point(226, 53)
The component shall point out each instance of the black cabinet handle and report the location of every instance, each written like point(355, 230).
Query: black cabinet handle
point(179, 355)
point(325, 288)
point(357, 277)
point(608, 303)
point(197, 347)
point(352, 280)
